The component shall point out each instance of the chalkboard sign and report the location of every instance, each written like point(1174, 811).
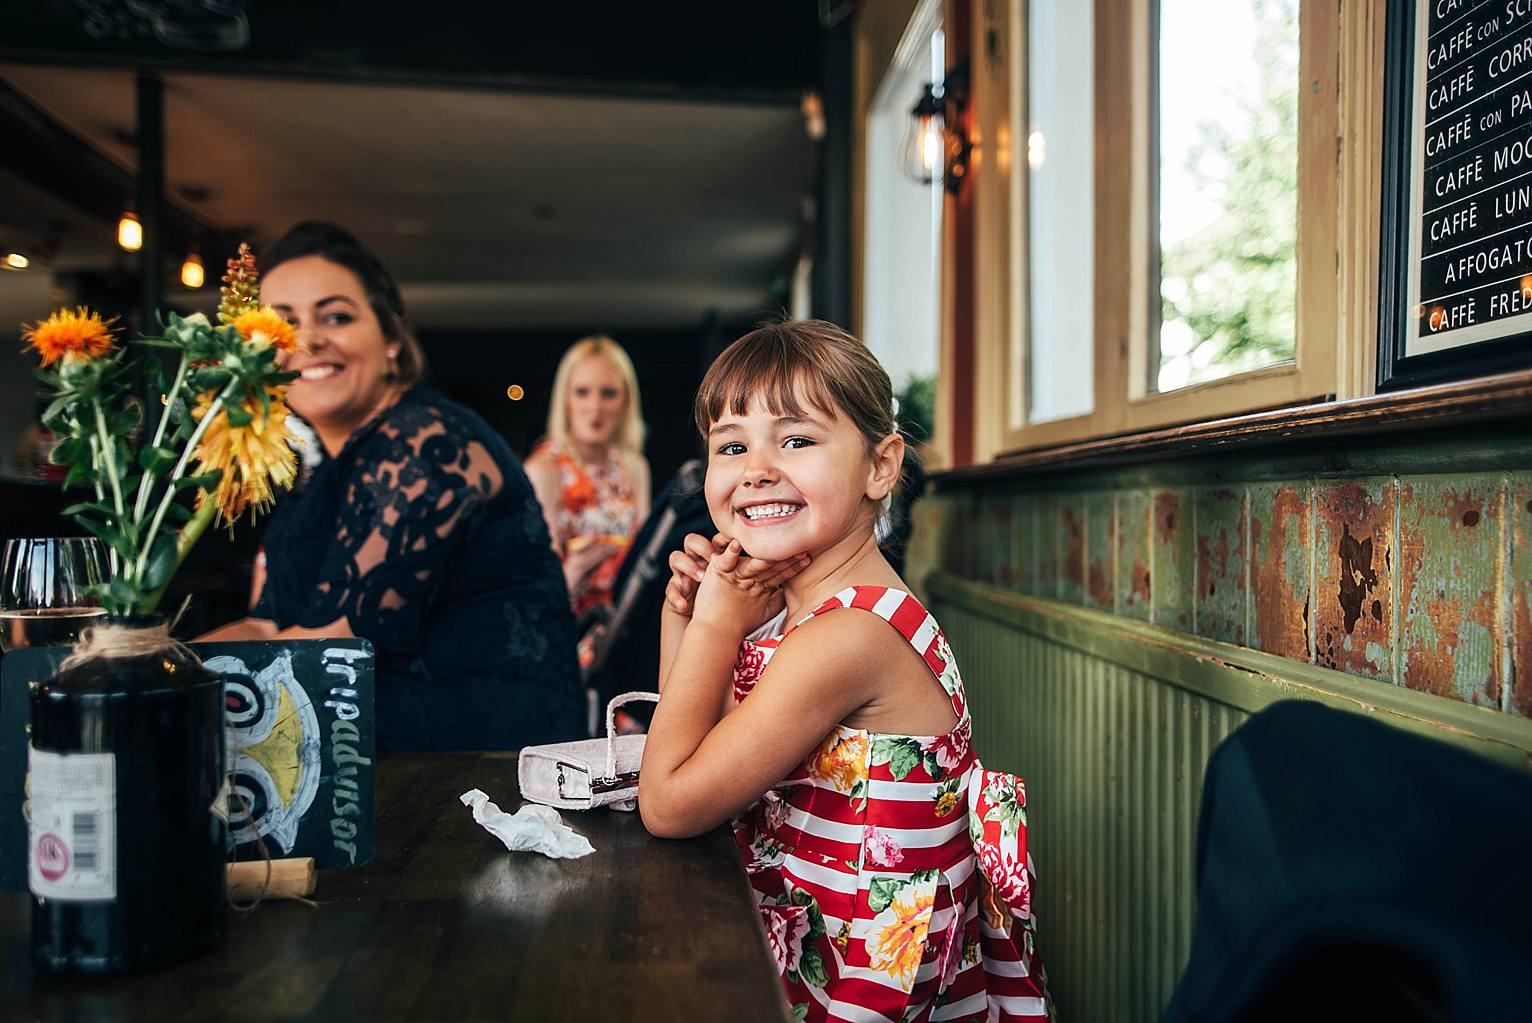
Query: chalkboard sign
point(1457, 218)
point(300, 718)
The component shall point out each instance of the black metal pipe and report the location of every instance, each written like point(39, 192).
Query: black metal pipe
point(151, 196)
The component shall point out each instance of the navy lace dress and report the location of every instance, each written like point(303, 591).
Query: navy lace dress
point(425, 535)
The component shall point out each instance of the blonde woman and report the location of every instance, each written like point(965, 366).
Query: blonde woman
point(589, 474)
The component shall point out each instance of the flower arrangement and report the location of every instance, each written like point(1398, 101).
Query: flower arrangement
point(223, 432)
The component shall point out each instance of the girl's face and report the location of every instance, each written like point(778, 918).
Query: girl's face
point(596, 398)
point(343, 361)
point(783, 485)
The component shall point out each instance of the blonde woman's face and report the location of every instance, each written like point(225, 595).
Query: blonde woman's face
point(596, 399)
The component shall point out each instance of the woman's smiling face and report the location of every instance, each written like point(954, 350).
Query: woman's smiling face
point(784, 484)
point(343, 360)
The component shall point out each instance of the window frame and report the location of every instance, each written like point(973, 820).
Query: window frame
point(1336, 231)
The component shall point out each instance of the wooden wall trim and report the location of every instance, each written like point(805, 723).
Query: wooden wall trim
point(1507, 396)
point(1234, 675)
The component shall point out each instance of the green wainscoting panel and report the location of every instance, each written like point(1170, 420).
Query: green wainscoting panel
point(1111, 722)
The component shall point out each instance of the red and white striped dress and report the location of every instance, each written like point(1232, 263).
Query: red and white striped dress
point(891, 871)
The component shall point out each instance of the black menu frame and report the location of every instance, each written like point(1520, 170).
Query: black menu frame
point(1401, 361)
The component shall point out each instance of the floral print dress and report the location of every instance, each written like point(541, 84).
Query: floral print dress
point(891, 871)
point(596, 505)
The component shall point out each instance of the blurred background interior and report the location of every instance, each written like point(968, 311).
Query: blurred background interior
point(665, 174)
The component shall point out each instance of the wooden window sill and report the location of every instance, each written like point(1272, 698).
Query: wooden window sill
point(1506, 396)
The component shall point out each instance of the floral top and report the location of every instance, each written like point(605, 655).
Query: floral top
point(424, 534)
point(891, 871)
point(596, 505)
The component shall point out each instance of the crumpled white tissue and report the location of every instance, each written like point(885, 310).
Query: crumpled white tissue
point(533, 828)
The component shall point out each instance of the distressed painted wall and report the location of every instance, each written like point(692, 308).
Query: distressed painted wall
point(1406, 561)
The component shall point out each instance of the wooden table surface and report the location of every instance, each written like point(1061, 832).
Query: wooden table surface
point(444, 924)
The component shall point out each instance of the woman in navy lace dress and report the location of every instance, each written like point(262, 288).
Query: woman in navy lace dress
point(418, 530)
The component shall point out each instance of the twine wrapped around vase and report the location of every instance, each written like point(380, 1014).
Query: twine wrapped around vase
point(121, 641)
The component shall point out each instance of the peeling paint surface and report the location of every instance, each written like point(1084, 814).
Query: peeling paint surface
point(1354, 576)
point(1521, 595)
point(1449, 530)
point(1279, 569)
point(1221, 564)
point(1133, 566)
point(1024, 530)
point(1174, 570)
point(1100, 550)
point(1072, 548)
point(996, 556)
point(1049, 511)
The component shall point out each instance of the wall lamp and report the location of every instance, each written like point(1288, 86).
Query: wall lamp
point(936, 139)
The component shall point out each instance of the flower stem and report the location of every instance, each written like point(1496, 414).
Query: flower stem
point(180, 469)
point(142, 504)
point(189, 534)
point(109, 451)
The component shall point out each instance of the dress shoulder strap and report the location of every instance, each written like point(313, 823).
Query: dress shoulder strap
point(907, 615)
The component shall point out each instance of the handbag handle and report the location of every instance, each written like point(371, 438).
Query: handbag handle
point(611, 725)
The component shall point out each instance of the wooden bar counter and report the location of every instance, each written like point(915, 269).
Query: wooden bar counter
point(444, 924)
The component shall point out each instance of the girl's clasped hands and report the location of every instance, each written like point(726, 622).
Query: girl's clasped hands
point(729, 585)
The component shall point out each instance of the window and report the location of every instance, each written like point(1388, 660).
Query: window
point(901, 254)
point(1227, 209)
point(1174, 187)
point(1057, 179)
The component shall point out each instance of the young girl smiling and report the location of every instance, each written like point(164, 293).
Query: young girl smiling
point(889, 866)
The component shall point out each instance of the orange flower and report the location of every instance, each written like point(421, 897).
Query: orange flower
point(72, 336)
point(897, 946)
point(841, 760)
point(263, 326)
point(255, 459)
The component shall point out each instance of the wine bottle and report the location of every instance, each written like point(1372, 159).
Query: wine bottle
point(126, 841)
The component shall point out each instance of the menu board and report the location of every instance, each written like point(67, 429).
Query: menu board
point(1470, 217)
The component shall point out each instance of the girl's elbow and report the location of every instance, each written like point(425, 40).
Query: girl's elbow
point(663, 818)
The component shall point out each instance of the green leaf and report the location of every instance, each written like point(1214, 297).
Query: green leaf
point(211, 378)
point(156, 459)
point(880, 894)
point(811, 968)
point(121, 592)
point(162, 562)
point(177, 512)
point(238, 417)
point(88, 507)
point(933, 768)
point(905, 759)
point(207, 481)
point(77, 472)
point(801, 1012)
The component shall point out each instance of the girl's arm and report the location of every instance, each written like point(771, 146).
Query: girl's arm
point(698, 770)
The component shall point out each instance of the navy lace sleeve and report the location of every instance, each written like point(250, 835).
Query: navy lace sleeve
point(424, 535)
point(415, 496)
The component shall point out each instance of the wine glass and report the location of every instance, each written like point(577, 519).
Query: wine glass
point(43, 582)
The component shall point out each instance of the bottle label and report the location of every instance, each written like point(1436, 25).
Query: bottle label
point(72, 833)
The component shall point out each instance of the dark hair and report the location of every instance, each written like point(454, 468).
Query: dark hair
point(779, 361)
point(339, 246)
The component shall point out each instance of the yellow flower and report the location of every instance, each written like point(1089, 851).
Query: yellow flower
point(72, 336)
point(841, 760)
point(896, 948)
point(946, 803)
point(263, 327)
point(255, 459)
